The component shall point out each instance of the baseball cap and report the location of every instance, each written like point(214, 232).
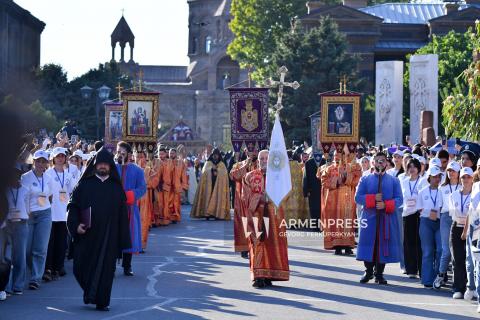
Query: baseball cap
point(40, 154)
point(466, 171)
point(434, 171)
point(58, 150)
point(435, 162)
point(454, 165)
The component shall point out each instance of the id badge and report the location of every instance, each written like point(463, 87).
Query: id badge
point(42, 199)
point(411, 204)
point(63, 196)
point(14, 215)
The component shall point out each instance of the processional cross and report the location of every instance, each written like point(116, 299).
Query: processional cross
point(119, 89)
point(281, 84)
point(140, 75)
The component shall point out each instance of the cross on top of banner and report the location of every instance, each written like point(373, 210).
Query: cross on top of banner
point(272, 83)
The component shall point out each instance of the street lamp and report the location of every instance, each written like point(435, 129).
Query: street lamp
point(102, 94)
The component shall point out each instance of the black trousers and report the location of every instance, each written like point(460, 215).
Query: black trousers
point(412, 248)
point(57, 246)
point(375, 267)
point(459, 256)
point(127, 260)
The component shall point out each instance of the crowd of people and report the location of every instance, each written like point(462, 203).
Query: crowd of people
point(405, 204)
point(427, 218)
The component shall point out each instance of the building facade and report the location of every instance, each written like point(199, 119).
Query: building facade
point(391, 31)
point(193, 93)
point(20, 35)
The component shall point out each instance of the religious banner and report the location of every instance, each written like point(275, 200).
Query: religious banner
point(113, 122)
point(249, 118)
point(340, 121)
point(140, 116)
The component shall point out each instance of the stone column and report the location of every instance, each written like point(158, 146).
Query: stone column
point(389, 102)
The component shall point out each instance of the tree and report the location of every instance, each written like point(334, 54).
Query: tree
point(454, 55)
point(461, 110)
point(317, 59)
point(257, 26)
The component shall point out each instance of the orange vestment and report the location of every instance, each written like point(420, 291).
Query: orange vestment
point(237, 174)
point(268, 239)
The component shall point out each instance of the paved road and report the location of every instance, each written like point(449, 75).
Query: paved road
point(190, 272)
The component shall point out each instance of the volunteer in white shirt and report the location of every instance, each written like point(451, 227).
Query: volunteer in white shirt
point(430, 202)
point(460, 201)
point(15, 233)
point(469, 159)
point(397, 161)
point(406, 158)
point(39, 189)
point(411, 219)
point(73, 163)
point(438, 163)
point(62, 186)
point(451, 184)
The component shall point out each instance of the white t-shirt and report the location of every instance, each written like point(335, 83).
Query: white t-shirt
point(17, 203)
point(459, 207)
point(393, 172)
point(62, 186)
point(74, 172)
point(429, 199)
point(446, 193)
point(410, 195)
point(39, 189)
point(475, 188)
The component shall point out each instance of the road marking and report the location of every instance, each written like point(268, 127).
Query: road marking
point(158, 306)
point(152, 279)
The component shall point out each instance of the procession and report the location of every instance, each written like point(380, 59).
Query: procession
point(284, 177)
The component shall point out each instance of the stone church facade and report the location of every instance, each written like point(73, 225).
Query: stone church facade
point(20, 35)
point(193, 93)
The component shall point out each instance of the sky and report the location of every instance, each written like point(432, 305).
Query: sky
point(77, 32)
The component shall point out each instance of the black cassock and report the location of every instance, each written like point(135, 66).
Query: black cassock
point(96, 251)
point(312, 185)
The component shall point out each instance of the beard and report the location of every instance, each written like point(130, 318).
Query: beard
point(379, 168)
point(103, 172)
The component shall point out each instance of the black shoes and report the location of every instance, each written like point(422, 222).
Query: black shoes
point(268, 283)
point(33, 286)
point(366, 277)
point(259, 283)
point(103, 308)
point(47, 276)
point(128, 272)
point(380, 280)
point(62, 272)
point(348, 252)
point(338, 252)
point(245, 254)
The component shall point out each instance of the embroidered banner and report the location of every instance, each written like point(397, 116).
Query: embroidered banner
point(340, 117)
point(249, 118)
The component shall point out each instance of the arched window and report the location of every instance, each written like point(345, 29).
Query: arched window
point(208, 44)
point(228, 73)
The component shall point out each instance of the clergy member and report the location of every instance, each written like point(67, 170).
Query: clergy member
point(133, 182)
point(338, 183)
point(268, 239)
point(160, 215)
point(212, 199)
point(174, 183)
point(150, 170)
point(294, 204)
point(237, 174)
point(379, 242)
point(311, 185)
point(99, 244)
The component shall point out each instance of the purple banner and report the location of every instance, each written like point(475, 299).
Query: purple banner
point(249, 118)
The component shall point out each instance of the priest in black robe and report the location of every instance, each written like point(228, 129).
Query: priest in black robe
point(312, 185)
point(96, 248)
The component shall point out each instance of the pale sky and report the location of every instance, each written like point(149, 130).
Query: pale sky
point(77, 32)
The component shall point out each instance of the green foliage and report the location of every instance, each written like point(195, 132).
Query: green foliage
point(461, 109)
point(34, 116)
point(258, 25)
point(454, 54)
point(317, 59)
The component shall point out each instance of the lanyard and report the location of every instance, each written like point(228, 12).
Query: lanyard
point(450, 186)
point(62, 182)
point(434, 201)
point(41, 183)
point(15, 198)
point(463, 203)
point(414, 186)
